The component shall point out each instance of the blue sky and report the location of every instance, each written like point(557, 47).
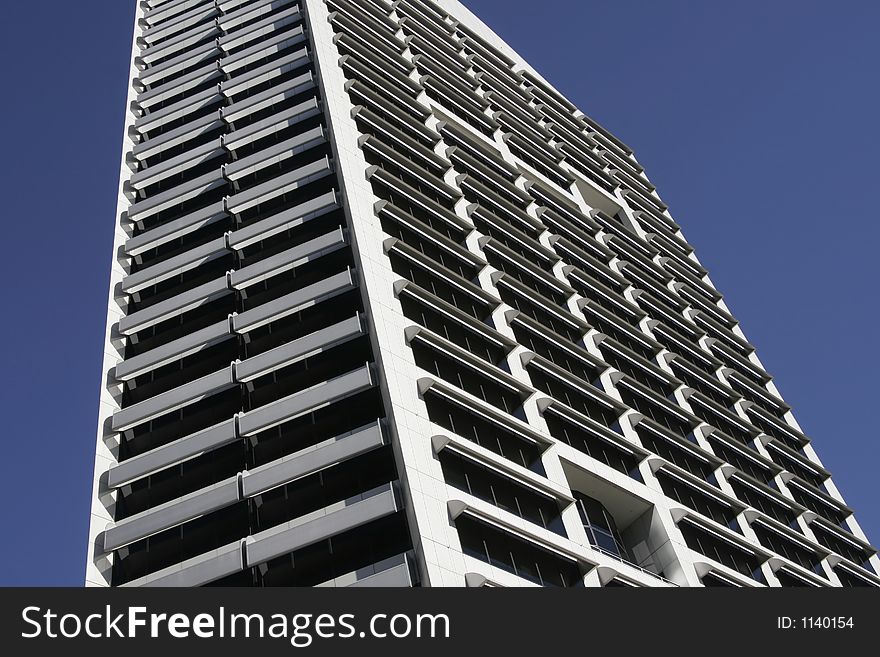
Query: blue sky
point(756, 120)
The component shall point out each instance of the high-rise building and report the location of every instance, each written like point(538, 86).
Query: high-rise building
point(387, 309)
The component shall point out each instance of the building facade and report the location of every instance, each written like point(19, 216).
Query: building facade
point(386, 309)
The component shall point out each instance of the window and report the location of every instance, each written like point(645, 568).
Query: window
point(749, 466)
point(695, 499)
point(835, 515)
point(433, 249)
point(526, 278)
point(763, 502)
point(673, 452)
point(858, 555)
point(541, 315)
point(793, 465)
point(554, 351)
point(574, 398)
point(504, 493)
point(790, 549)
point(484, 433)
point(693, 381)
point(787, 579)
point(772, 430)
point(739, 559)
point(714, 580)
point(452, 330)
point(592, 445)
point(718, 419)
point(467, 378)
point(600, 527)
point(653, 410)
point(515, 555)
point(628, 367)
point(428, 280)
point(850, 580)
point(604, 326)
point(619, 583)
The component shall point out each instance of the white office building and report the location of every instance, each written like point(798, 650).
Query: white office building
point(386, 309)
